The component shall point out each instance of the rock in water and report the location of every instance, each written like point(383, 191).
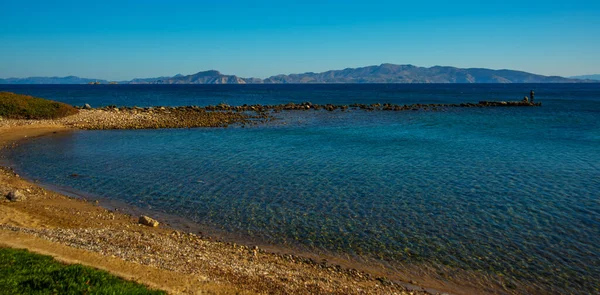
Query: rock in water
point(87, 107)
point(16, 196)
point(145, 220)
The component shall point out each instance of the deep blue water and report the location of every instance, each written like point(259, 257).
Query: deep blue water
point(498, 191)
point(178, 95)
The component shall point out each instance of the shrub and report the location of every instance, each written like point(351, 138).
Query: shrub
point(18, 106)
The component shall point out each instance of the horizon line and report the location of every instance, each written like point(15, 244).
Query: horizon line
point(297, 73)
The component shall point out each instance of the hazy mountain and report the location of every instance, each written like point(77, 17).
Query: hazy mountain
point(587, 77)
point(157, 80)
point(385, 73)
point(253, 80)
point(206, 77)
point(50, 80)
point(389, 73)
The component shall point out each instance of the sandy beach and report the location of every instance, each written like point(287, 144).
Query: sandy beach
point(78, 231)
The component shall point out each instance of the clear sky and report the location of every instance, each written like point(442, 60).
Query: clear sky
point(121, 40)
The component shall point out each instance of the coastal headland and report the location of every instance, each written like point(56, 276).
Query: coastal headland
point(79, 231)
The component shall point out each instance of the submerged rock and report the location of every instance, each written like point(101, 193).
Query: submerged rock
point(145, 220)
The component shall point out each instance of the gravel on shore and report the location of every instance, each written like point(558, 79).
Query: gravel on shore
point(94, 119)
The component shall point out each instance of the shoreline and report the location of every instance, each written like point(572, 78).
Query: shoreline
point(54, 224)
point(343, 275)
point(410, 278)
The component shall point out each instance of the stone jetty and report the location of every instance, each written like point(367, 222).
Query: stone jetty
point(261, 109)
point(222, 115)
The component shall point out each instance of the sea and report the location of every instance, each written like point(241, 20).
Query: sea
point(505, 199)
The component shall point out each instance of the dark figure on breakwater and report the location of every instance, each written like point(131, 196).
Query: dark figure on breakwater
point(531, 96)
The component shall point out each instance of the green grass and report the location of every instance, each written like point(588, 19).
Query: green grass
point(22, 272)
point(17, 106)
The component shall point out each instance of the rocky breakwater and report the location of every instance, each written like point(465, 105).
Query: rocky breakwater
point(223, 115)
point(266, 109)
point(523, 103)
point(113, 117)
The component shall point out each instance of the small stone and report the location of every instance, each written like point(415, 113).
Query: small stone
point(87, 107)
point(145, 220)
point(16, 196)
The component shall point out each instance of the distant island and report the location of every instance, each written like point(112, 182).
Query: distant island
point(51, 80)
point(587, 77)
point(384, 73)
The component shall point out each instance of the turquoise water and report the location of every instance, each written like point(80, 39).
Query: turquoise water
point(497, 191)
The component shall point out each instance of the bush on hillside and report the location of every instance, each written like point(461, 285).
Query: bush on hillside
point(18, 106)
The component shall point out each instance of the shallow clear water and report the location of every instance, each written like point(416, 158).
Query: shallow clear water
point(510, 191)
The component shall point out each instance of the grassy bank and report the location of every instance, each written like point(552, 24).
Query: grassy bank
point(17, 106)
point(22, 272)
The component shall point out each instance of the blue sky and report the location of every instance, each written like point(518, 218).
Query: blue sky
point(121, 40)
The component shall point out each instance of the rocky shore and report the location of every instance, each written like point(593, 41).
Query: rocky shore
point(154, 118)
point(149, 118)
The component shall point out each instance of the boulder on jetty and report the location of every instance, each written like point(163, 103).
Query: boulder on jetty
point(145, 220)
point(16, 196)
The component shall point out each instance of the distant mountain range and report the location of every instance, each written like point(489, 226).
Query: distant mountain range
point(51, 80)
point(207, 77)
point(389, 73)
point(384, 73)
point(149, 80)
point(587, 77)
